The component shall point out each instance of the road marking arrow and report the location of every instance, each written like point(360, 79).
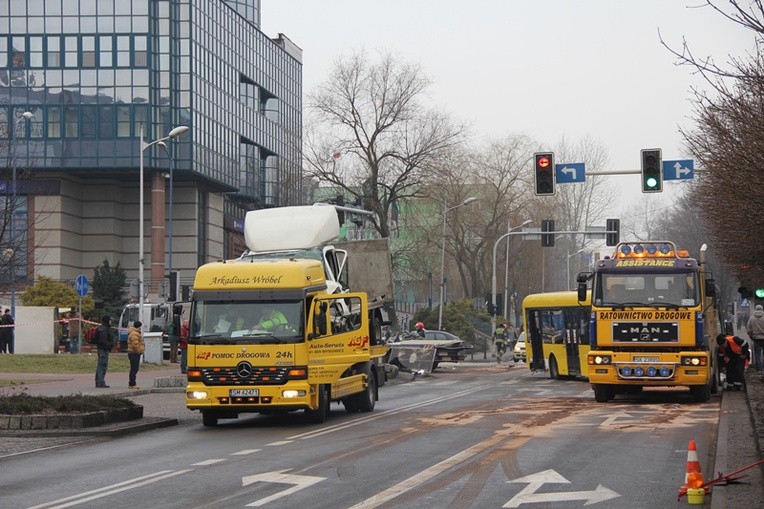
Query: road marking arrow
point(279, 476)
point(621, 415)
point(529, 496)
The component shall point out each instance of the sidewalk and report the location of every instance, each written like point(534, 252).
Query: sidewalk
point(56, 384)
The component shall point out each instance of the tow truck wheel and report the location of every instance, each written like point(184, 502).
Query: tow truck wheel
point(368, 398)
point(209, 418)
point(318, 416)
point(700, 393)
point(350, 404)
point(602, 393)
point(554, 371)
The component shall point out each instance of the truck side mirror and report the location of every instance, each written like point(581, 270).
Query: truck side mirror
point(710, 287)
point(581, 291)
point(319, 320)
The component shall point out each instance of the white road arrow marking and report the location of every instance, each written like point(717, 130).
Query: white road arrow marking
point(280, 476)
point(529, 496)
point(621, 415)
point(569, 170)
point(680, 171)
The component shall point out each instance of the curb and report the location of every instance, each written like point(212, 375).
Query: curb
point(109, 430)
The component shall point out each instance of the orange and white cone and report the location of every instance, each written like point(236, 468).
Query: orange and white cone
point(693, 477)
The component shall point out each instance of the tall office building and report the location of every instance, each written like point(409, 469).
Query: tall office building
point(81, 79)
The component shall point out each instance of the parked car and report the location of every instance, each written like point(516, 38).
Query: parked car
point(519, 353)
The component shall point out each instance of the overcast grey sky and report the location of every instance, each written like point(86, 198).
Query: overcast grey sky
point(546, 68)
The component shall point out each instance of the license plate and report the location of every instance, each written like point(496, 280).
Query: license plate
point(645, 358)
point(243, 393)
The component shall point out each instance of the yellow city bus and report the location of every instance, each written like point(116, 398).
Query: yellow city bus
point(556, 327)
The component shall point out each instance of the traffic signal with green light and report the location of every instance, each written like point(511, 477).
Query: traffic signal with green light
point(652, 170)
point(543, 170)
point(759, 293)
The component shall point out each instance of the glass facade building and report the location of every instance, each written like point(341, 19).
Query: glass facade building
point(93, 73)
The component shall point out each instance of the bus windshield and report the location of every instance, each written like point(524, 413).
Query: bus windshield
point(246, 322)
point(649, 290)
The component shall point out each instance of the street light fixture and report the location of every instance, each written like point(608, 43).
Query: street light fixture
point(493, 273)
point(569, 257)
point(446, 209)
point(169, 218)
point(177, 131)
point(27, 115)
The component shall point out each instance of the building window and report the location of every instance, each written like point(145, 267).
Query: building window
point(54, 122)
point(54, 51)
point(88, 51)
point(105, 48)
point(19, 48)
point(71, 51)
point(70, 122)
point(123, 51)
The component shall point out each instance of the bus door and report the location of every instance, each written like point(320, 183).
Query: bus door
point(534, 339)
point(576, 326)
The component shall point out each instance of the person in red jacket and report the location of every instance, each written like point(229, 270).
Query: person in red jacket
point(183, 345)
point(734, 354)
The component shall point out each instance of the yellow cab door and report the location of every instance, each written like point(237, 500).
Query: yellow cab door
point(338, 335)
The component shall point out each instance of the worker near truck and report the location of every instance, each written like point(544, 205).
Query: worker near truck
point(734, 354)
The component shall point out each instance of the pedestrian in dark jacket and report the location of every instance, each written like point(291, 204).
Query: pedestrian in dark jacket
point(734, 354)
point(6, 332)
point(105, 343)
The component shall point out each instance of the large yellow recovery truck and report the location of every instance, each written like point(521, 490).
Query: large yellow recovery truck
point(271, 333)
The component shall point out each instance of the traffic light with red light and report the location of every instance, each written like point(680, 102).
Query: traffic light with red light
point(543, 164)
point(652, 171)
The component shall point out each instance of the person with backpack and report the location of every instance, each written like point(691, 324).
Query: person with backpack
point(135, 348)
point(104, 339)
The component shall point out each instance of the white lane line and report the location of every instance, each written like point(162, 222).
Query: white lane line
point(280, 442)
point(426, 475)
point(111, 490)
point(207, 462)
point(379, 415)
point(245, 452)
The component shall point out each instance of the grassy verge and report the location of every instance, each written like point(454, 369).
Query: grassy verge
point(66, 363)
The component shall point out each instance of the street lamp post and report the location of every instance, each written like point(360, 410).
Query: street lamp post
point(169, 213)
point(493, 272)
point(569, 257)
point(446, 209)
point(177, 131)
point(27, 115)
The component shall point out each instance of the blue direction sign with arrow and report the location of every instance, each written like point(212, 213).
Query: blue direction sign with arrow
point(570, 172)
point(81, 283)
point(681, 169)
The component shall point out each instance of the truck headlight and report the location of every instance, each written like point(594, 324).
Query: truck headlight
point(291, 393)
point(196, 395)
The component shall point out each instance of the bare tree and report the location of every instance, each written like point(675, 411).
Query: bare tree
point(371, 114)
point(728, 143)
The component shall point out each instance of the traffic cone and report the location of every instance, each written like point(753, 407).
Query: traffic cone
point(693, 477)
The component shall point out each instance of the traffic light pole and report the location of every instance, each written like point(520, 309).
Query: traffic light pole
point(534, 234)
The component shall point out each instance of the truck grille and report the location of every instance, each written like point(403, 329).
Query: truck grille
point(645, 332)
point(258, 376)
